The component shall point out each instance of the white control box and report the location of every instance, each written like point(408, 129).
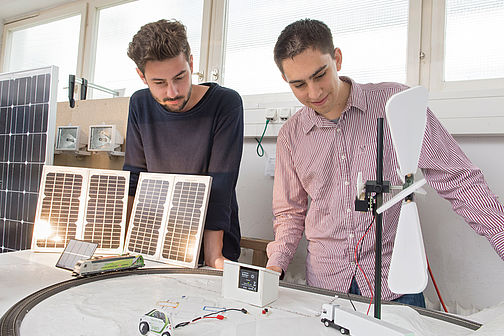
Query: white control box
point(255, 285)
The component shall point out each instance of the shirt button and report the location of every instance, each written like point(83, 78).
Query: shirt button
point(343, 157)
point(351, 235)
point(338, 130)
point(348, 210)
point(347, 183)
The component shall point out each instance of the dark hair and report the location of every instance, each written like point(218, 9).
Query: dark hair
point(157, 41)
point(301, 35)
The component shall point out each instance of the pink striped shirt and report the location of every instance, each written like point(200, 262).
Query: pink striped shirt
point(318, 159)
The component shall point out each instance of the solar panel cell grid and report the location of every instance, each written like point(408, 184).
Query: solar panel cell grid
point(75, 250)
point(148, 216)
point(104, 214)
point(184, 227)
point(27, 118)
point(60, 208)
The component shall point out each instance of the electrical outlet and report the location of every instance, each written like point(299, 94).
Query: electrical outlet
point(284, 113)
point(271, 114)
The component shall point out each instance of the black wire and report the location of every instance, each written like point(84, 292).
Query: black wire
point(358, 259)
point(182, 324)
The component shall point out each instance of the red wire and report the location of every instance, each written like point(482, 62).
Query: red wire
point(435, 286)
point(362, 271)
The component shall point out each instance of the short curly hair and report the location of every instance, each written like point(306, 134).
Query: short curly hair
point(157, 41)
point(301, 35)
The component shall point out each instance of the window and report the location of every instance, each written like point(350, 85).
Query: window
point(41, 46)
point(472, 50)
point(372, 35)
point(113, 68)
point(449, 46)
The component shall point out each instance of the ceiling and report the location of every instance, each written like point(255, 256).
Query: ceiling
point(14, 8)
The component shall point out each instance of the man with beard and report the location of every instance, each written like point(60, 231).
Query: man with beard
point(178, 127)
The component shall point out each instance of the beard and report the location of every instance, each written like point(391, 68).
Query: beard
point(180, 107)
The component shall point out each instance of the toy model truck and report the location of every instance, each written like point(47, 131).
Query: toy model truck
point(350, 322)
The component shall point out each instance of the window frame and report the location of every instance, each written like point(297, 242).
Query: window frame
point(287, 99)
point(471, 107)
point(93, 17)
point(453, 89)
point(40, 18)
point(464, 107)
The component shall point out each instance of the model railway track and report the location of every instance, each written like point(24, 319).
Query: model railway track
point(11, 321)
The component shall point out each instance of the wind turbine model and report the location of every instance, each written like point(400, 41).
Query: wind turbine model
point(406, 116)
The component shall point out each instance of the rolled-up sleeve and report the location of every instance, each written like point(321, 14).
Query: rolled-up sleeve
point(458, 180)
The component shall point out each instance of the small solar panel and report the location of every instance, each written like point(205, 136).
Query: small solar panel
point(27, 126)
point(168, 217)
point(105, 218)
point(60, 208)
point(84, 204)
point(75, 250)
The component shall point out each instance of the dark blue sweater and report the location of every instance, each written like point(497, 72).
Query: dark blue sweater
point(206, 140)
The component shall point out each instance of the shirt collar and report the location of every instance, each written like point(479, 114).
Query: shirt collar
point(356, 100)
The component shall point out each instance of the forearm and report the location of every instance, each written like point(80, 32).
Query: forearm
point(288, 233)
point(290, 203)
point(213, 242)
point(456, 179)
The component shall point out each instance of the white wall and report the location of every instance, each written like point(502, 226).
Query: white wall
point(466, 268)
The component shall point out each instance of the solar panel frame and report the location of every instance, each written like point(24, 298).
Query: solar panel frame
point(150, 225)
point(181, 239)
point(58, 196)
point(27, 129)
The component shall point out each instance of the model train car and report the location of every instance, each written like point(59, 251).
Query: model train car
point(107, 264)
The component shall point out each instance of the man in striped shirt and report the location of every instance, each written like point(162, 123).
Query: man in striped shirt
point(322, 148)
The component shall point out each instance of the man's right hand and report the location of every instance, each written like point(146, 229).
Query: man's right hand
point(275, 268)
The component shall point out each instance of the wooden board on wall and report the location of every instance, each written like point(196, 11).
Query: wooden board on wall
point(113, 111)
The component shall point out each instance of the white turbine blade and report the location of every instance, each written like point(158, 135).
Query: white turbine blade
point(408, 267)
point(406, 117)
point(397, 198)
point(400, 176)
point(360, 185)
point(421, 191)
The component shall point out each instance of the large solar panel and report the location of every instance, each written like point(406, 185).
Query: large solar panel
point(84, 204)
point(168, 217)
point(27, 128)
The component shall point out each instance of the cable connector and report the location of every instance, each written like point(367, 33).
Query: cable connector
point(220, 317)
point(244, 311)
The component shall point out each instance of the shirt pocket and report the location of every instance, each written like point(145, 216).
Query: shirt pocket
point(364, 161)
